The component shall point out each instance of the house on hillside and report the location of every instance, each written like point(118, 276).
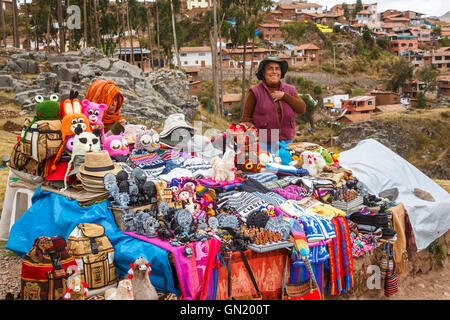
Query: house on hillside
point(371, 8)
point(306, 54)
point(231, 102)
point(385, 97)
point(443, 86)
point(411, 87)
point(402, 42)
point(194, 57)
point(192, 75)
point(441, 59)
point(359, 104)
point(296, 11)
point(271, 32)
point(335, 102)
point(141, 56)
point(191, 4)
point(234, 57)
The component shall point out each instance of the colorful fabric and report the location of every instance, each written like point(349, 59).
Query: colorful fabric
point(297, 231)
point(327, 211)
point(194, 273)
point(341, 258)
point(146, 160)
point(299, 273)
point(262, 176)
point(362, 243)
point(101, 91)
point(293, 192)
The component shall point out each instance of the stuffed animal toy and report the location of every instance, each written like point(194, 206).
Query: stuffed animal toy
point(124, 291)
point(326, 155)
point(45, 110)
point(267, 157)
point(71, 105)
point(224, 169)
point(285, 153)
point(147, 140)
point(68, 125)
point(83, 143)
point(313, 162)
point(75, 288)
point(117, 147)
point(94, 112)
point(139, 274)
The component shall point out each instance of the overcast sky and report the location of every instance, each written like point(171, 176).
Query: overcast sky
point(429, 7)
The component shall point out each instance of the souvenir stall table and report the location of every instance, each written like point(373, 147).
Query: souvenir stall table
point(212, 218)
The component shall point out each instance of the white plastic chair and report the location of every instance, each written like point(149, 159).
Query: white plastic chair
point(17, 207)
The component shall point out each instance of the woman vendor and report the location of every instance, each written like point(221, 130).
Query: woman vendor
point(107, 92)
point(272, 104)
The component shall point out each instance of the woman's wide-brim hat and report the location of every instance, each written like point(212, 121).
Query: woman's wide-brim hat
point(283, 65)
point(173, 122)
point(97, 164)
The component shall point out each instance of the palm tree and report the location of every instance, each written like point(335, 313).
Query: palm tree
point(97, 28)
point(175, 35)
point(149, 34)
point(157, 35)
point(85, 23)
point(60, 26)
point(15, 14)
point(130, 36)
point(2, 18)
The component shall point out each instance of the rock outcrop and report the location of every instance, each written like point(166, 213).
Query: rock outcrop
point(149, 97)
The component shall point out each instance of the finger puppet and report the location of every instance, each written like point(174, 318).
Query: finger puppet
point(313, 162)
point(94, 112)
point(117, 147)
point(224, 168)
point(71, 105)
point(45, 110)
point(124, 291)
point(83, 143)
point(326, 155)
point(75, 288)
point(139, 273)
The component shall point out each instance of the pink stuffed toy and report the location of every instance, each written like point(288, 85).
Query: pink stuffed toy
point(117, 147)
point(94, 112)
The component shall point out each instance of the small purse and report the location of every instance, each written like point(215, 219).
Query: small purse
point(387, 260)
point(308, 290)
point(391, 279)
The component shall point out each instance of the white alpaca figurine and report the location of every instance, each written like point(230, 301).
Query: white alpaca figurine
point(309, 163)
point(224, 168)
point(140, 279)
point(124, 291)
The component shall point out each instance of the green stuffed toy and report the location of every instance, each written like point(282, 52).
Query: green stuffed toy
point(326, 155)
point(45, 110)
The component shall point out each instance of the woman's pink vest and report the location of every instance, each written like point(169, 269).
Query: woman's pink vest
point(265, 115)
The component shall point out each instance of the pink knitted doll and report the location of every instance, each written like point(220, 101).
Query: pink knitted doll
point(94, 112)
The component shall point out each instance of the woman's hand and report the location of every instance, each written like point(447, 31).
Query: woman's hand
point(277, 95)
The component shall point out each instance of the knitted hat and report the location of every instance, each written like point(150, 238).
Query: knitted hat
point(45, 110)
point(283, 65)
point(149, 161)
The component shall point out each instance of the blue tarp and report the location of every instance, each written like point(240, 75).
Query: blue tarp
point(52, 214)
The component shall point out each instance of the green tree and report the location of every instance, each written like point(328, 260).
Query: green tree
point(436, 32)
point(294, 31)
point(421, 100)
point(311, 108)
point(367, 35)
point(428, 75)
point(358, 7)
point(346, 12)
point(399, 72)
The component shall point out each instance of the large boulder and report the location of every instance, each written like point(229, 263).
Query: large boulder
point(149, 97)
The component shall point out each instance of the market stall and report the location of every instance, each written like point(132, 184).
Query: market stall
point(207, 218)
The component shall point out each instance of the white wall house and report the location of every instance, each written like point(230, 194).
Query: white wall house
point(309, 8)
point(194, 57)
point(198, 4)
point(335, 102)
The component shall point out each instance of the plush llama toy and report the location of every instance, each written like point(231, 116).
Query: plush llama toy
point(75, 290)
point(224, 169)
point(124, 291)
point(140, 278)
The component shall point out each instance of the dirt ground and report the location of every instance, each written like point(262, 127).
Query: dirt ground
point(423, 279)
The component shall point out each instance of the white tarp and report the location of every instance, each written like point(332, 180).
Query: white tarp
point(380, 169)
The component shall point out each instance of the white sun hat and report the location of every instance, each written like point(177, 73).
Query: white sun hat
point(173, 122)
